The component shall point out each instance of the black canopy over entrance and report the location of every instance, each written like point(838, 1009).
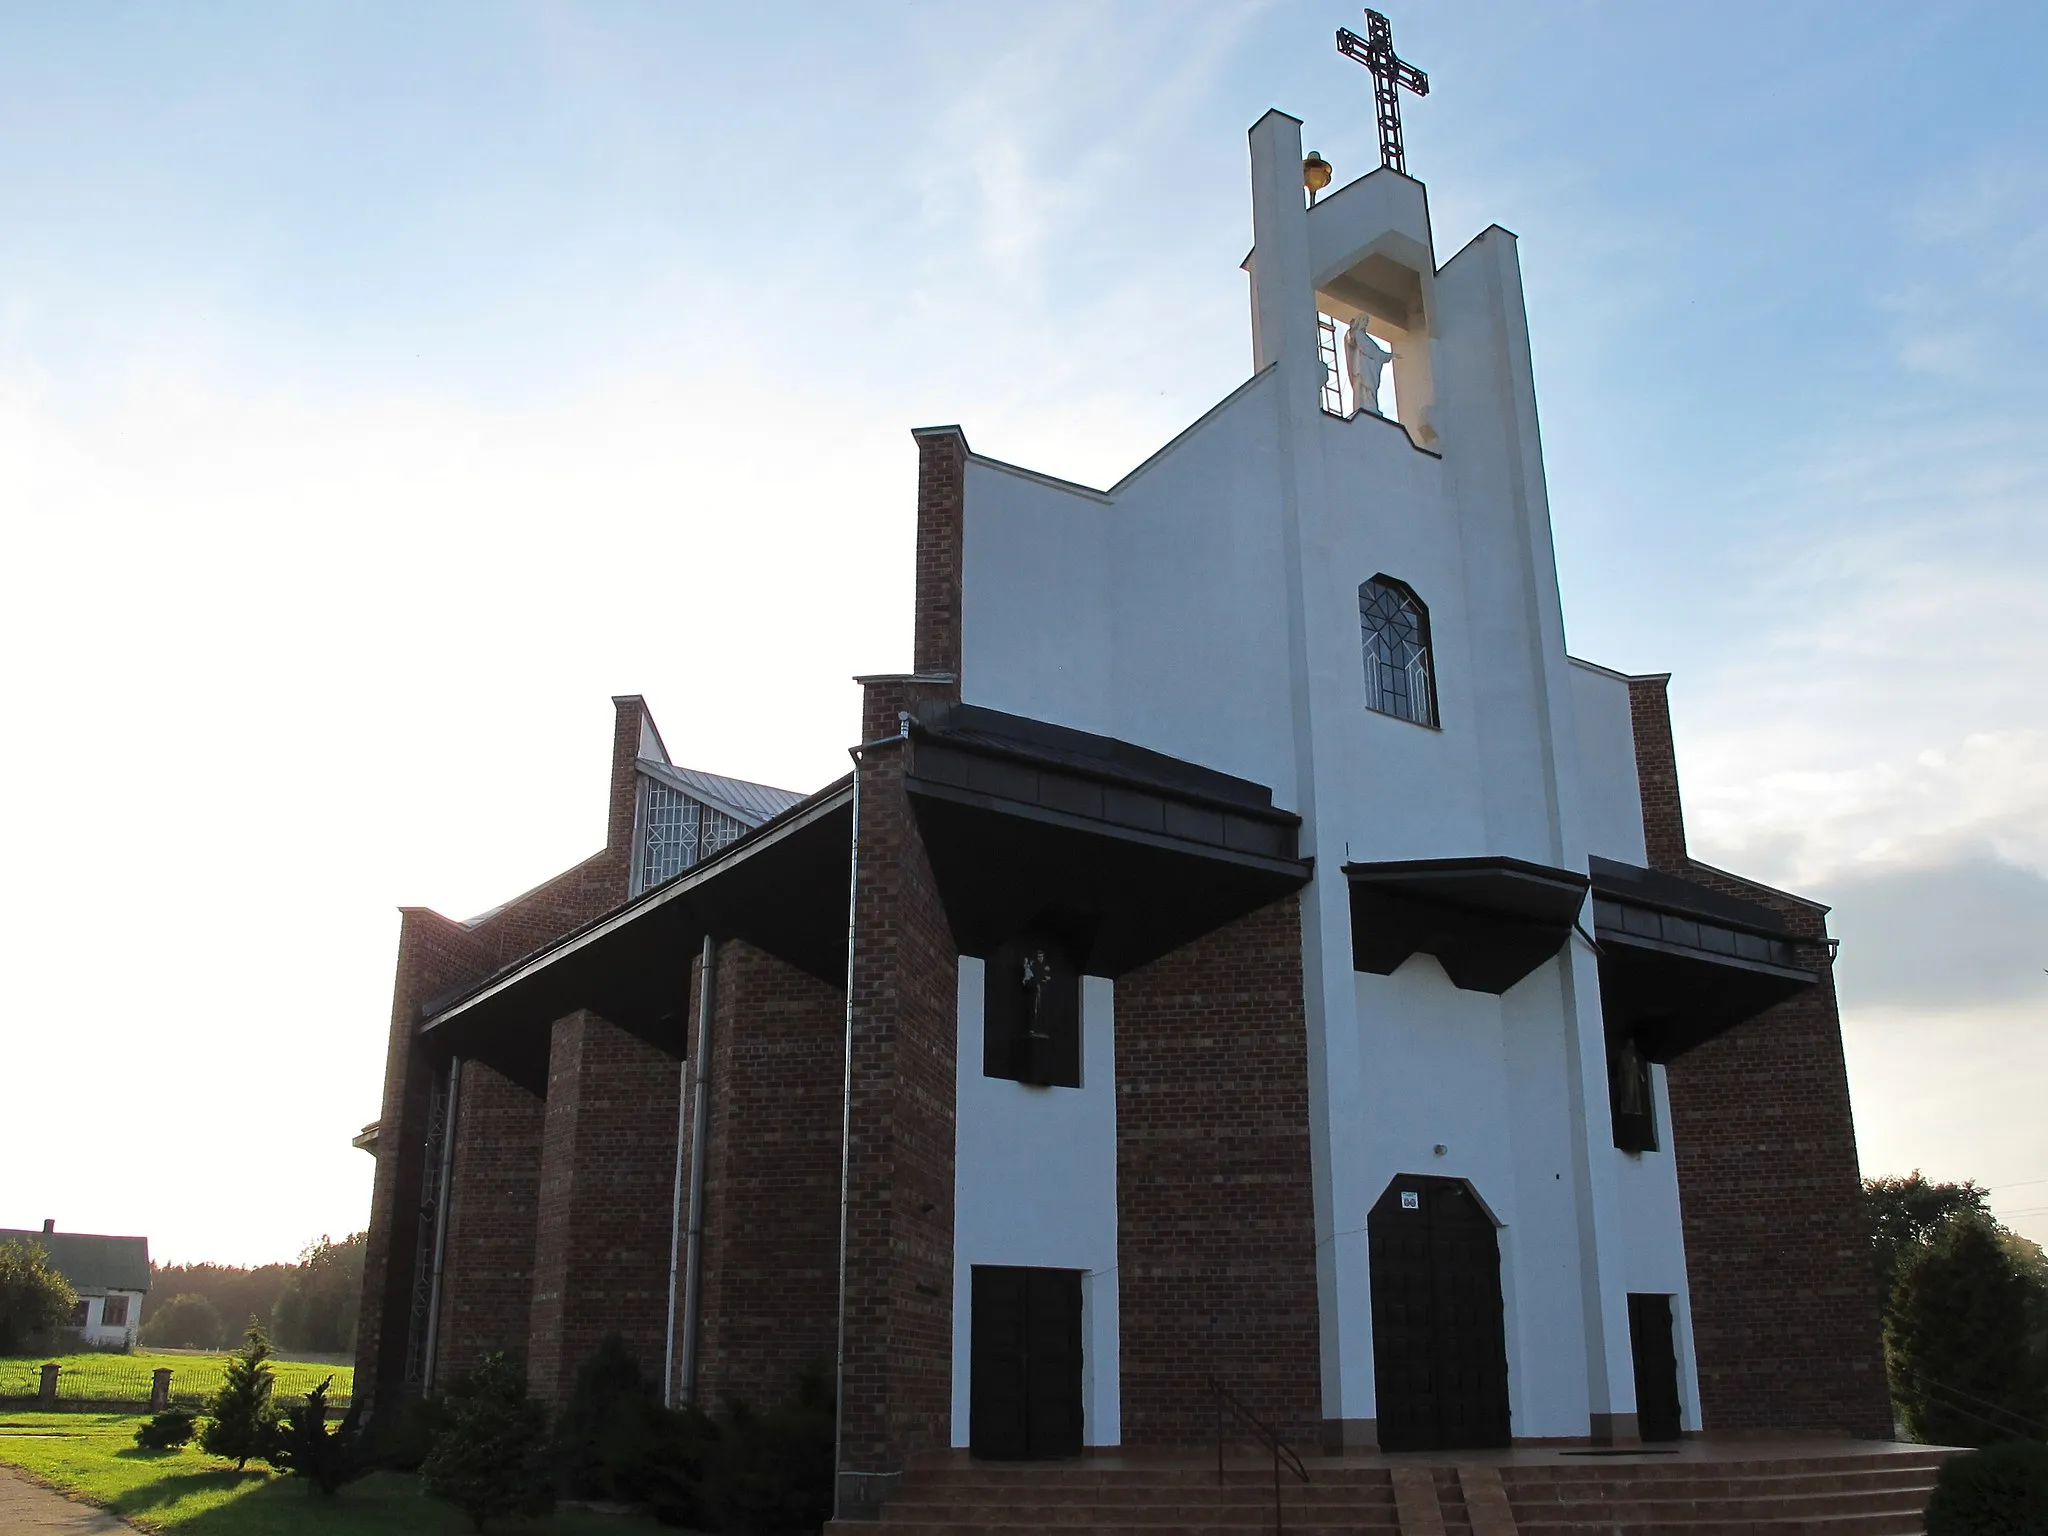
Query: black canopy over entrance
point(1489, 921)
point(1681, 963)
point(1131, 853)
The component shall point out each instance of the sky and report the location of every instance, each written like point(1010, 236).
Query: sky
point(384, 387)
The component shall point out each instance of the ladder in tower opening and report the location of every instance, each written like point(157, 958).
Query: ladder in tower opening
point(1333, 365)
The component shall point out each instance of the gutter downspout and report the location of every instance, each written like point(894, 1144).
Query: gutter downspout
point(700, 1132)
point(846, 1112)
point(442, 1195)
point(675, 1236)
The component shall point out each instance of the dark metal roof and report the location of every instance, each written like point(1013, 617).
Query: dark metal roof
point(1019, 817)
point(1681, 963)
point(782, 888)
point(1661, 892)
point(90, 1261)
point(1132, 852)
point(1103, 758)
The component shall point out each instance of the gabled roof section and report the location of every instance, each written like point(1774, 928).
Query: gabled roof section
point(92, 1262)
point(748, 803)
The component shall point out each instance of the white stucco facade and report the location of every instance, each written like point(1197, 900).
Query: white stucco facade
point(1035, 1186)
point(1209, 609)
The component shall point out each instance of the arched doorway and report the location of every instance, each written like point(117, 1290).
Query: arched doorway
point(1439, 1341)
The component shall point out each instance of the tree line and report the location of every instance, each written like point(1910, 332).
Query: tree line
point(309, 1307)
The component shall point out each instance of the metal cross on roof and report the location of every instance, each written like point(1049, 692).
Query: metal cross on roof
point(1375, 51)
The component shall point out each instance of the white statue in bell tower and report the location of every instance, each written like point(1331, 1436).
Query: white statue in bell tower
point(1365, 360)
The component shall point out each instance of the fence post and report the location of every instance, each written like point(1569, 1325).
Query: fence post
point(46, 1394)
point(160, 1389)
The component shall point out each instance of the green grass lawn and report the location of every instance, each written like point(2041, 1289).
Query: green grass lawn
point(127, 1377)
point(188, 1492)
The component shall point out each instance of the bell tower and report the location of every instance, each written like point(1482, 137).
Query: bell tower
point(1359, 257)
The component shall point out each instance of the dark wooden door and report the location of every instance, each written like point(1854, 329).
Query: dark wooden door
point(1440, 1360)
point(1024, 1363)
point(1656, 1360)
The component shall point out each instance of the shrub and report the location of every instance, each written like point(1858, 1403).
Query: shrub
point(491, 1456)
point(240, 1418)
point(306, 1447)
point(680, 1446)
point(401, 1438)
point(1956, 1340)
point(1999, 1491)
point(186, 1321)
point(33, 1296)
point(604, 1438)
point(770, 1474)
point(167, 1431)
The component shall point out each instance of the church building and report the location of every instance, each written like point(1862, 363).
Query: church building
point(1248, 951)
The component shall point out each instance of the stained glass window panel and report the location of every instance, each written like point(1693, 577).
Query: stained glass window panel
point(1397, 661)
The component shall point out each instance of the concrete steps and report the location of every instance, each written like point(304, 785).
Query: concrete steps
point(1847, 1493)
point(1878, 1493)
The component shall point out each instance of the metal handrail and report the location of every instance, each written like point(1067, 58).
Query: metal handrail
point(1956, 1397)
point(1282, 1451)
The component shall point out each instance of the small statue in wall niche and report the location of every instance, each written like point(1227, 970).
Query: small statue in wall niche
point(1365, 359)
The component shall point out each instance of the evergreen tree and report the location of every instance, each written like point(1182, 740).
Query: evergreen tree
point(241, 1420)
point(1956, 1340)
point(33, 1296)
point(491, 1456)
point(306, 1447)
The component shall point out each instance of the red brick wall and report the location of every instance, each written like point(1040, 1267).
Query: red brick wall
point(605, 1200)
point(899, 1249)
point(771, 1179)
point(1216, 1245)
point(487, 1265)
point(1784, 1303)
point(941, 498)
point(433, 955)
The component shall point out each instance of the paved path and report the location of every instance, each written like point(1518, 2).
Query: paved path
point(25, 1506)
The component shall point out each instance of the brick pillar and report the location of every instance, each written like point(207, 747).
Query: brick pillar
point(487, 1272)
point(771, 1181)
point(941, 504)
point(602, 1220)
point(1649, 709)
point(1216, 1240)
point(434, 954)
point(898, 1382)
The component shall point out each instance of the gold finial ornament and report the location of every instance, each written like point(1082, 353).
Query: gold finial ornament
point(1315, 173)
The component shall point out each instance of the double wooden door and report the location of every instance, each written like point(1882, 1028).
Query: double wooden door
point(1024, 1365)
point(1439, 1338)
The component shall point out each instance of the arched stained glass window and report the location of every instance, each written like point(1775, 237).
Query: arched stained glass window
point(1399, 678)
